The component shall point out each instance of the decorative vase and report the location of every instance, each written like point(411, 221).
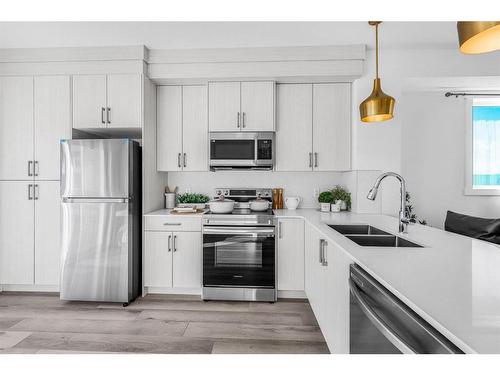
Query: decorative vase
point(324, 207)
point(336, 206)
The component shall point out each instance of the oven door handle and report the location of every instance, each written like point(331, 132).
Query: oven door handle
point(240, 231)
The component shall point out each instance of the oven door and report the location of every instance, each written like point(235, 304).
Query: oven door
point(239, 257)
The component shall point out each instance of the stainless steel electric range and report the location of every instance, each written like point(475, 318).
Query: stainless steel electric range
point(239, 250)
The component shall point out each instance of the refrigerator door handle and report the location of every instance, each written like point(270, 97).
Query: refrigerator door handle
point(95, 200)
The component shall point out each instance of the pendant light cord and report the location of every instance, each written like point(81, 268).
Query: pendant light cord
point(376, 49)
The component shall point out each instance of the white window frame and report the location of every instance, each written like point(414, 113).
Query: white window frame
point(469, 190)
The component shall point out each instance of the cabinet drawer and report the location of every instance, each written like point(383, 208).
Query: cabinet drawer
point(172, 223)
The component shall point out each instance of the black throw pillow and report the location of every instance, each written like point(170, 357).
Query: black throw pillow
point(475, 227)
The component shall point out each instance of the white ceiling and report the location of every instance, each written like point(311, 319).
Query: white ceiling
point(166, 35)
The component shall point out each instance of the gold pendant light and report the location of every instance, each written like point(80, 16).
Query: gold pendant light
point(478, 37)
point(378, 106)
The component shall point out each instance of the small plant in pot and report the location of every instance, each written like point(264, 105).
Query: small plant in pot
point(341, 197)
point(325, 198)
point(192, 200)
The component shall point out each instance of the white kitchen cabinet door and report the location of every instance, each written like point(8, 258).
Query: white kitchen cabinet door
point(52, 123)
point(314, 274)
point(47, 232)
point(16, 233)
point(194, 128)
point(332, 126)
point(336, 328)
point(294, 127)
point(169, 128)
point(291, 254)
point(257, 106)
point(224, 106)
point(124, 98)
point(157, 259)
point(89, 101)
point(16, 128)
point(187, 247)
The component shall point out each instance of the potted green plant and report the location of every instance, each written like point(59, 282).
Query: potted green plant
point(341, 197)
point(195, 200)
point(325, 198)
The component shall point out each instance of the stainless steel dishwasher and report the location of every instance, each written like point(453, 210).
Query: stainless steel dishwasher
point(381, 324)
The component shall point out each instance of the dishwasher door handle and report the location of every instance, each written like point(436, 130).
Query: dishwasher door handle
point(387, 331)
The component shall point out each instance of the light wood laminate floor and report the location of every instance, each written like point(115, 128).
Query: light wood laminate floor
point(41, 323)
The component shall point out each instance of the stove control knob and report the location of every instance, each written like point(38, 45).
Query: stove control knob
point(218, 192)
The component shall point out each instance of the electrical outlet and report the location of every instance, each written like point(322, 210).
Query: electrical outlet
point(315, 192)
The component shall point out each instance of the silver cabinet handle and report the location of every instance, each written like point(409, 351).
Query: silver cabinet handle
point(315, 160)
point(170, 243)
point(325, 254)
point(37, 168)
point(30, 166)
point(185, 160)
point(310, 160)
point(172, 223)
point(238, 120)
point(280, 230)
point(175, 243)
point(243, 119)
point(102, 115)
point(321, 250)
point(36, 192)
point(108, 115)
point(30, 189)
point(179, 160)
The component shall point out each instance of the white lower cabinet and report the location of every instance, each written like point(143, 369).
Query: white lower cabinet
point(327, 288)
point(172, 260)
point(291, 254)
point(29, 233)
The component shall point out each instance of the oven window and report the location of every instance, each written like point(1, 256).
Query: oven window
point(238, 252)
point(234, 149)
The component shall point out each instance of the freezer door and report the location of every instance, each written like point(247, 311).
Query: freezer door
point(95, 168)
point(95, 259)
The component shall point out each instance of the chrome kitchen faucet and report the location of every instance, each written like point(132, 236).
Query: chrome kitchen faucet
point(404, 220)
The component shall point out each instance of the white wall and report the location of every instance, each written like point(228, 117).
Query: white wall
point(378, 145)
point(300, 184)
point(433, 161)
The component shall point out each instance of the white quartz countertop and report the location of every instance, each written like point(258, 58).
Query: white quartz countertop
point(453, 282)
point(167, 212)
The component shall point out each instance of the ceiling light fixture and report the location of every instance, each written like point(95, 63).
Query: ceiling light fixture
point(478, 36)
point(378, 106)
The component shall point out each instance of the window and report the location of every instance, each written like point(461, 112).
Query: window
point(483, 147)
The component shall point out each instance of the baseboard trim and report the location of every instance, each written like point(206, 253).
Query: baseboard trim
point(291, 294)
point(162, 290)
point(29, 288)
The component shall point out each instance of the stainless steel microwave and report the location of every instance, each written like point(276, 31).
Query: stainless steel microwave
point(241, 150)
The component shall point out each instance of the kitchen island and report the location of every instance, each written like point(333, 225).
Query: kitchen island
point(451, 282)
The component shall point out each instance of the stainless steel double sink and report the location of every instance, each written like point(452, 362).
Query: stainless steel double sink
point(366, 235)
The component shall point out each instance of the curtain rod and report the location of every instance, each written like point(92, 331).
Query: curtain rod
point(457, 94)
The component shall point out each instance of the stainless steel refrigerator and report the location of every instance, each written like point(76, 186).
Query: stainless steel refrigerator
point(101, 220)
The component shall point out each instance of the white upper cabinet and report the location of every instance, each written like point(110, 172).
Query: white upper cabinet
point(89, 101)
point(194, 128)
point(16, 232)
point(16, 128)
point(314, 127)
point(47, 232)
point(182, 137)
point(124, 100)
point(107, 101)
point(52, 123)
point(332, 126)
point(241, 106)
point(291, 254)
point(224, 106)
point(257, 106)
point(169, 128)
point(294, 131)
